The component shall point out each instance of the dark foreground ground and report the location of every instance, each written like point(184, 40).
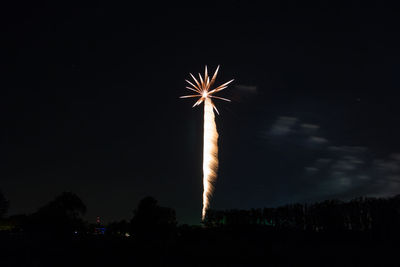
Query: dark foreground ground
point(204, 247)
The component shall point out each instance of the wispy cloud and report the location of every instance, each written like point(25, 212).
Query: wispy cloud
point(291, 127)
point(353, 171)
point(333, 170)
point(317, 140)
point(247, 88)
point(309, 128)
point(283, 126)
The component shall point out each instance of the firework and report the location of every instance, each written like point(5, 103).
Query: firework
point(202, 88)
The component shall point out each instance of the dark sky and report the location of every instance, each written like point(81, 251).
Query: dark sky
point(89, 104)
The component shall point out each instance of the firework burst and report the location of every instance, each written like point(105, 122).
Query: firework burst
point(202, 88)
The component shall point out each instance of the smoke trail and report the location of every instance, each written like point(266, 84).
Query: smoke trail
point(210, 154)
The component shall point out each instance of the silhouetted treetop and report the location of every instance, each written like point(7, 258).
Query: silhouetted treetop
point(150, 213)
point(152, 220)
point(4, 204)
point(61, 215)
point(67, 203)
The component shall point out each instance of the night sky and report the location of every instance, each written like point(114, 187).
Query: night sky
point(89, 104)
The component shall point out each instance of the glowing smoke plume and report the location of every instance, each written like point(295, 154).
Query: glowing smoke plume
point(210, 145)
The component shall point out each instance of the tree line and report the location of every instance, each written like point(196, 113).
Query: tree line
point(359, 214)
point(64, 215)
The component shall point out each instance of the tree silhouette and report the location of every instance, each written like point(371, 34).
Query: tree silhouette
point(61, 215)
point(67, 203)
point(152, 222)
point(4, 204)
point(378, 215)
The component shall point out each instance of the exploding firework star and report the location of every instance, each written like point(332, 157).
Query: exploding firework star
point(202, 88)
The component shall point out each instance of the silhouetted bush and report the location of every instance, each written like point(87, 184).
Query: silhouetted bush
point(152, 222)
point(120, 228)
point(60, 216)
point(4, 204)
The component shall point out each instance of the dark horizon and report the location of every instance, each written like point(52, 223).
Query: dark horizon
point(90, 105)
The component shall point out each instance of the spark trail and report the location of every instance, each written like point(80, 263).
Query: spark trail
point(210, 145)
point(210, 154)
